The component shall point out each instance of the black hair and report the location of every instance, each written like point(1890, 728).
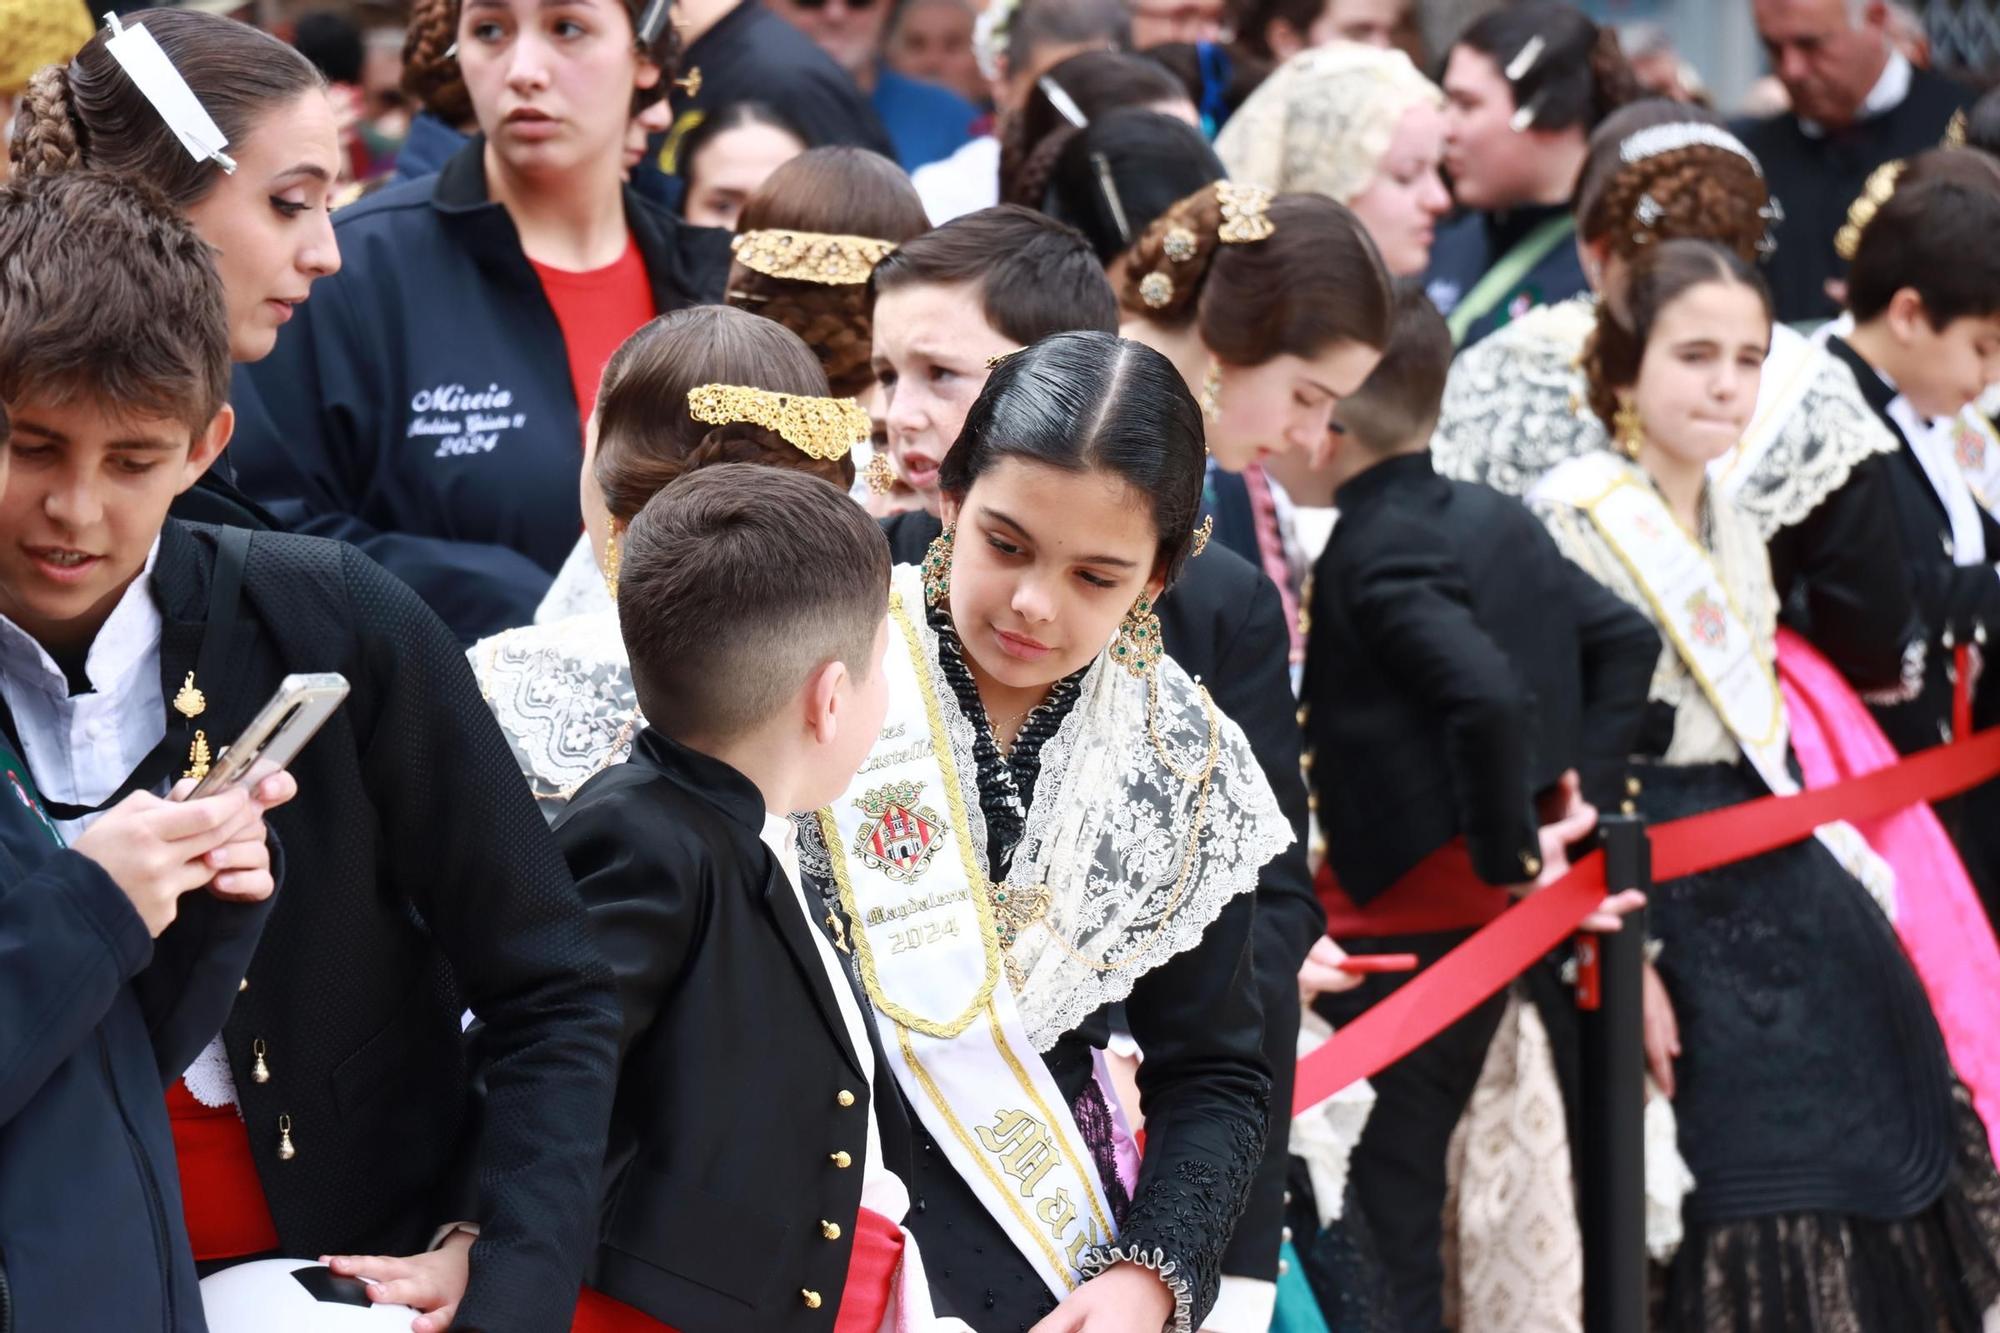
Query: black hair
point(1398, 403)
point(332, 43)
point(1935, 237)
point(1035, 276)
point(729, 116)
point(1040, 23)
point(1091, 82)
point(1579, 75)
point(1111, 181)
point(1083, 401)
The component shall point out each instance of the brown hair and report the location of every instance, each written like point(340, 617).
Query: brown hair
point(1581, 75)
point(1035, 276)
point(646, 437)
point(1397, 405)
point(849, 192)
point(1662, 275)
point(1096, 82)
point(89, 113)
point(108, 296)
point(1935, 236)
point(1315, 282)
point(430, 73)
point(1702, 191)
point(738, 583)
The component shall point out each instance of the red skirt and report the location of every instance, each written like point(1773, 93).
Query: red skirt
point(864, 1298)
point(222, 1199)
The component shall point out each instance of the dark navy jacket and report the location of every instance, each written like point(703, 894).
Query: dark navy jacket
point(420, 404)
point(95, 1019)
point(1470, 244)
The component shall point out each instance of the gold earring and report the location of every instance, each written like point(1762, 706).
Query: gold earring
point(1137, 647)
point(881, 476)
point(937, 569)
point(612, 559)
point(1627, 430)
point(1211, 394)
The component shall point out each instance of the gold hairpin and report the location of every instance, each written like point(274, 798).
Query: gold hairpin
point(1954, 132)
point(1245, 213)
point(824, 428)
point(999, 359)
point(1881, 187)
point(810, 256)
point(690, 83)
point(1201, 535)
point(1156, 289)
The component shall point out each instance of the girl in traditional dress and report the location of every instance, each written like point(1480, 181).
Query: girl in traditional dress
point(1842, 1178)
point(1057, 818)
point(562, 688)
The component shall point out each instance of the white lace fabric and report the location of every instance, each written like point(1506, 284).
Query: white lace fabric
point(562, 693)
point(579, 589)
point(1515, 407)
point(208, 1079)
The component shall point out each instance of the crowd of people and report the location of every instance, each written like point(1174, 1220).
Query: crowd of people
point(928, 598)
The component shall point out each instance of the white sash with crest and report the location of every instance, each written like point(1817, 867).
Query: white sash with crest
point(1975, 446)
point(908, 858)
point(1694, 609)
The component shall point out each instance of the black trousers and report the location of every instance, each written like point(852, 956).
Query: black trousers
point(1398, 1169)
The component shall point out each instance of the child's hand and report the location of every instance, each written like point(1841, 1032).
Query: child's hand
point(1124, 1298)
point(157, 850)
point(1322, 972)
point(433, 1283)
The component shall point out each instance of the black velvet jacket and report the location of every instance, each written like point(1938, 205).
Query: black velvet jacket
point(422, 881)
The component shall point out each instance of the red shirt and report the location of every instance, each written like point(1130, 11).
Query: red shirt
point(597, 311)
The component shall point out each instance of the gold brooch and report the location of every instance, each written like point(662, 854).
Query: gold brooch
point(810, 256)
point(189, 701)
point(1156, 289)
point(690, 83)
point(198, 757)
point(881, 475)
point(824, 428)
point(1201, 535)
point(1881, 187)
point(1245, 213)
point(1180, 245)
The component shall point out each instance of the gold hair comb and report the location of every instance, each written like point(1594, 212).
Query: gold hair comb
point(1881, 187)
point(1245, 213)
point(824, 428)
point(810, 256)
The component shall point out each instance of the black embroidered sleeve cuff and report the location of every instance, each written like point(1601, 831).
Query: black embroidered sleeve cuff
point(1095, 1261)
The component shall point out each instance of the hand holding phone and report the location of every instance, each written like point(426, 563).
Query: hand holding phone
point(298, 709)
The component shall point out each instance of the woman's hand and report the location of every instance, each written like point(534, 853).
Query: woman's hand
point(1124, 1298)
point(1663, 1030)
point(1322, 973)
point(432, 1283)
point(1575, 823)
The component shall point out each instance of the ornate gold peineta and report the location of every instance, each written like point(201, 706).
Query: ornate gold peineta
point(1245, 213)
point(1881, 187)
point(810, 256)
point(823, 428)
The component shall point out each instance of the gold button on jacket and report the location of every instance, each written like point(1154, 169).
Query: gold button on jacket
point(830, 1230)
point(812, 1299)
point(841, 1160)
point(843, 1098)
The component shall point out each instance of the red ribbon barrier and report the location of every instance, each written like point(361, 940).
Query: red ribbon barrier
point(1501, 951)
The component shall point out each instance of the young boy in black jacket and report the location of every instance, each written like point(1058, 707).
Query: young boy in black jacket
point(1459, 671)
point(746, 1178)
point(104, 996)
point(336, 1114)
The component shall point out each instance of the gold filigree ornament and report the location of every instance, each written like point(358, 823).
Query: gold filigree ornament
point(1881, 187)
point(810, 256)
point(1180, 245)
point(824, 428)
point(1156, 290)
point(198, 757)
point(190, 702)
point(1245, 213)
point(1201, 536)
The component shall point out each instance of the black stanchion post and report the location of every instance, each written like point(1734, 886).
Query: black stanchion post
point(1612, 1193)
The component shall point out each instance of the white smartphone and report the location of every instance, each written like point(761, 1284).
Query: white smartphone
point(275, 736)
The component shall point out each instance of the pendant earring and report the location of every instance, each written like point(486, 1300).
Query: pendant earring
point(1137, 647)
point(1211, 394)
point(612, 559)
point(1627, 431)
point(937, 569)
point(881, 477)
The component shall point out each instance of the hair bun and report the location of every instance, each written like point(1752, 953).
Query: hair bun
point(1164, 277)
point(45, 128)
point(741, 442)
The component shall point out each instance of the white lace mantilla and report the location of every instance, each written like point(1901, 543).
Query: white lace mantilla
point(1515, 407)
point(562, 693)
point(579, 588)
point(1108, 832)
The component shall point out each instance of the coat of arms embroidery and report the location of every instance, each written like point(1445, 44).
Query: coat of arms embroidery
point(901, 835)
point(1707, 620)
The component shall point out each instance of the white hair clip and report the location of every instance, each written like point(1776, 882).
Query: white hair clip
point(1060, 99)
point(1648, 210)
point(1657, 139)
point(1524, 59)
point(652, 21)
point(1109, 185)
point(162, 85)
point(1523, 118)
